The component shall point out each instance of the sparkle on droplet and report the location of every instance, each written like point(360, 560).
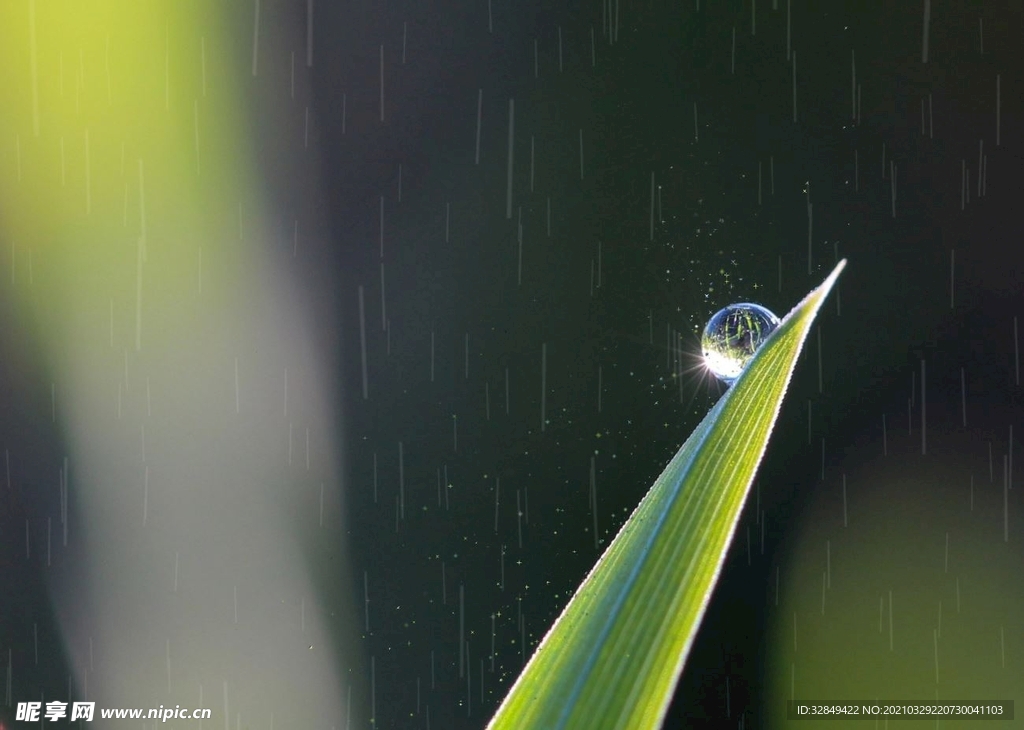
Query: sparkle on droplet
point(732, 336)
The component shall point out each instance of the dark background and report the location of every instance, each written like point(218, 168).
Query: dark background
point(714, 242)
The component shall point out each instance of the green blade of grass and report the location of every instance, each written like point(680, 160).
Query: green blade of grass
point(614, 655)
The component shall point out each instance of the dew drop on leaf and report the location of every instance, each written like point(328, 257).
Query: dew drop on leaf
point(732, 336)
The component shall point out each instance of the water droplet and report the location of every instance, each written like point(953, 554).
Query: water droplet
point(732, 336)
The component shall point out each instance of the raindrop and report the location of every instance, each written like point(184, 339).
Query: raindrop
point(732, 336)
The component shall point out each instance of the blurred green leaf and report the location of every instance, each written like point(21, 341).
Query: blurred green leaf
point(613, 657)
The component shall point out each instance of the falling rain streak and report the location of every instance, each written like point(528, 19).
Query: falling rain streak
point(923, 431)
point(511, 141)
point(362, 343)
point(543, 385)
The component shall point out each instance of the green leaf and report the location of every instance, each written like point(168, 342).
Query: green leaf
point(613, 657)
